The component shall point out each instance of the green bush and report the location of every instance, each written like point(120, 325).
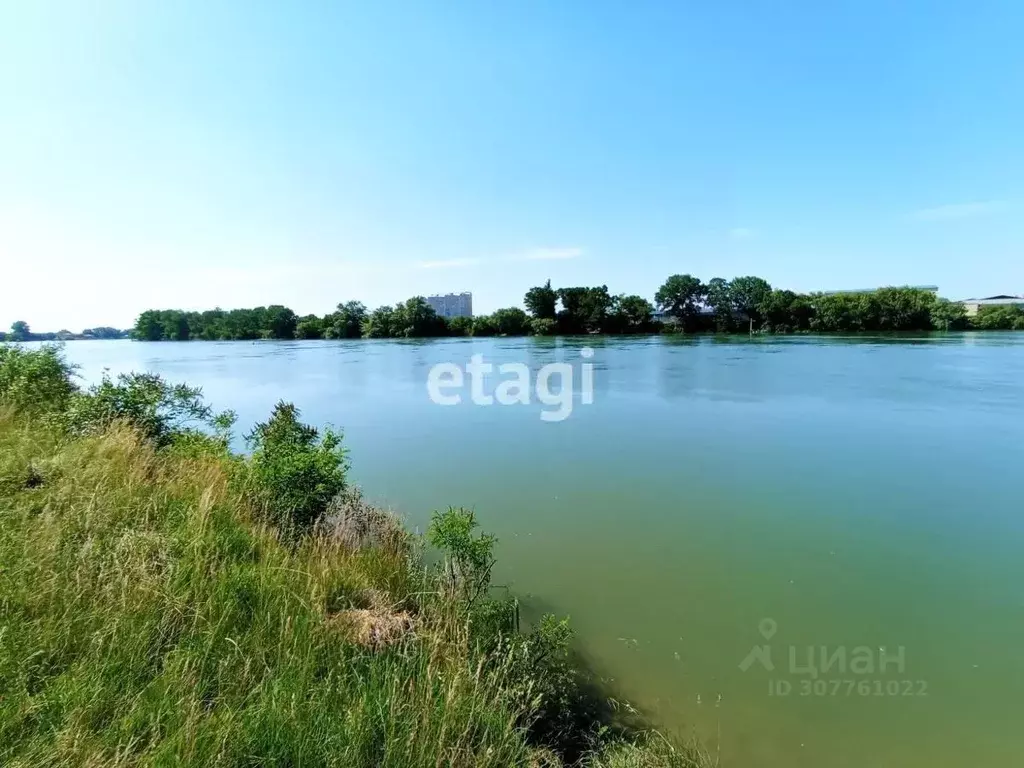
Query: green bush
point(295, 471)
point(36, 380)
point(160, 411)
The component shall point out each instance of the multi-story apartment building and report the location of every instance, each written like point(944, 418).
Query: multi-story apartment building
point(452, 304)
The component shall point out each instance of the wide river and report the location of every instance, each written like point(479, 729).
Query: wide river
point(722, 506)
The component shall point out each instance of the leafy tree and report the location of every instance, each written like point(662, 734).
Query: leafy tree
point(35, 380)
point(176, 326)
point(416, 318)
point(295, 471)
point(460, 326)
point(484, 325)
point(541, 300)
point(511, 321)
point(309, 327)
point(280, 322)
point(20, 331)
point(543, 326)
point(468, 556)
point(719, 299)
point(346, 322)
point(948, 315)
point(584, 310)
point(381, 323)
point(1002, 317)
point(629, 314)
point(786, 312)
point(748, 294)
point(102, 332)
point(149, 326)
point(681, 297)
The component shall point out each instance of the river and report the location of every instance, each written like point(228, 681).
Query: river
point(720, 506)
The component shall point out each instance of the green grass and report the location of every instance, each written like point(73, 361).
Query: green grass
point(150, 615)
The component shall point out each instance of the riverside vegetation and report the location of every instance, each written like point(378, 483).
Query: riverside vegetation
point(686, 303)
point(164, 600)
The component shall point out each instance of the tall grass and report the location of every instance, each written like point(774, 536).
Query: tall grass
point(150, 615)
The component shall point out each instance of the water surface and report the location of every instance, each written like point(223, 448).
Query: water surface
point(856, 493)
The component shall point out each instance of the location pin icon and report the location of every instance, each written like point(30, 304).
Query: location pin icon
point(767, 628)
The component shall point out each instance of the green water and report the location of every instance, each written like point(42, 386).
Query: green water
point(858, 494)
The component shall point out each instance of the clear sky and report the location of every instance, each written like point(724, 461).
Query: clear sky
point(193, 154)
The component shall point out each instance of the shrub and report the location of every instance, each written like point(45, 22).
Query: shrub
point(36, 380)
point(295, 471)
point(468, 557)
point(160, 411)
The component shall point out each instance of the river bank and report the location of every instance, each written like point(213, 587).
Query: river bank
point(165, 599)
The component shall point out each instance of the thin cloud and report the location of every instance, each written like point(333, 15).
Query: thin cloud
point(550, 254)
point(741, 233)
point(448, 263)
point(959, 211)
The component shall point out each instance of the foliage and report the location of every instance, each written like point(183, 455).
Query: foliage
point(151, 617)
point(468, 556)
point(748, 294)
point(1002, 317)
point(346, 322)
point(584, 310)
point(460, 326)
point(946, 315)
point(485, 325)
point(160, 411)
point(543, 326)
point(629, 314)
point(20, 331)
point(36, 380)
point(381, 323)
point(416, 318)
point(720, 305)
point(541, 301)
point(719, 300)
point(309, 327)
point(281, 322)
point(681, 297)
point(511, 321)
point(295, 471)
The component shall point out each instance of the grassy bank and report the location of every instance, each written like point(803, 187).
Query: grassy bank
point(163, 601)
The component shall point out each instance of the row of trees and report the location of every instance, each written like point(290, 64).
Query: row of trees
point(20, 331)
point(683, 303)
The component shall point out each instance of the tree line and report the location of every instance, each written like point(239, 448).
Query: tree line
point(683, 304)
point(20, 331)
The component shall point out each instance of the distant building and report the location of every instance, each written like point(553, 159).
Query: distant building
point(452, 304)
point(973, 305)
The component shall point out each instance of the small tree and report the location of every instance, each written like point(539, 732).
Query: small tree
point(469, 557)
point(19, 331)
point(295, 471)
point(541, 300)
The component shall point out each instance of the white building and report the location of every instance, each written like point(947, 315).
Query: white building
point(973, 305)
point(452, 304)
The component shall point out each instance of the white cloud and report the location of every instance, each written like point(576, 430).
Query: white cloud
point(448, 263)
point(959, 211)
point(741, 233)
point(550, 254)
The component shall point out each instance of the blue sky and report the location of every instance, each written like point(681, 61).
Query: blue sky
point(195, 154)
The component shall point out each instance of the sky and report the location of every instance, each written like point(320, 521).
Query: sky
point(195, 154)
